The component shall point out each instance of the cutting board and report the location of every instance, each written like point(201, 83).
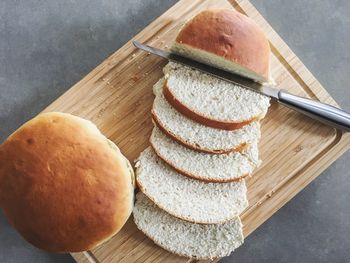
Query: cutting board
point(117, 97)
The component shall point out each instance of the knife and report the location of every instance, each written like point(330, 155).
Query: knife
point(322, 112)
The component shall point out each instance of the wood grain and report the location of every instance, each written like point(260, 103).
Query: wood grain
point(117, 96)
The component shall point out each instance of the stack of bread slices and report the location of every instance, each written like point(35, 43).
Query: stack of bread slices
point(205, 139)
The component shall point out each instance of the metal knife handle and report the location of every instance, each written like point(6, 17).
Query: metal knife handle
point(317, 110)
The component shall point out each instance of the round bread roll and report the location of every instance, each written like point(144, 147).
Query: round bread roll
point(226, 39)
point(63, 185)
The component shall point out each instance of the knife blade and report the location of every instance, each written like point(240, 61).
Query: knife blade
point(219, 73)
point(322, 112)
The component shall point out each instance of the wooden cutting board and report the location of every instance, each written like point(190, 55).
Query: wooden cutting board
point(117, 97)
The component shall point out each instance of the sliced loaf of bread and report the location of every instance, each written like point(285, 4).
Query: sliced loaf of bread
point(212, 101)
point(186, 198)
point(184, 238)
point(195, 135)
point(203, 166)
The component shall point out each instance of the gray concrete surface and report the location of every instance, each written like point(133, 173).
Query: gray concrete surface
point(47, 46)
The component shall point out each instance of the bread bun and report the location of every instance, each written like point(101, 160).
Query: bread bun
point(226, 39)
point(63, 185)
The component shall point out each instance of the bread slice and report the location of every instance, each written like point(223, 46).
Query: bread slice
point(212, 101)
point(184, 238)
point(195, 135)
point(226, 39)
point(203, 166)
point(186, 198)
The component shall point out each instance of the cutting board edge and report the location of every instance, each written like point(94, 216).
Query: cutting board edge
point(304, 176)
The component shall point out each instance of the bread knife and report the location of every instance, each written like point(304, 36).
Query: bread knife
point(322, 112)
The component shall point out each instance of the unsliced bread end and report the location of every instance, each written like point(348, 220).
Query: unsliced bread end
point(227, 39)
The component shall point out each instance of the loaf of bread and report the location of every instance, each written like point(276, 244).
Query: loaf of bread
point(212, 101)
point(205, 139)
point(186, 198)
point(187, 239)
point(226, 39)
point(63, 185)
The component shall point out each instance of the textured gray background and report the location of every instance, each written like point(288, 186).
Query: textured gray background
point(47, 46)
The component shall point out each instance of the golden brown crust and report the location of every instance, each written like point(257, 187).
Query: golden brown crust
point(231, 35)
point(62, 185)
point(192, 176)
point(200, 118)
point(239, 148)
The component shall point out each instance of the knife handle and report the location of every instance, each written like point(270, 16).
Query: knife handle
point(317, 110)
